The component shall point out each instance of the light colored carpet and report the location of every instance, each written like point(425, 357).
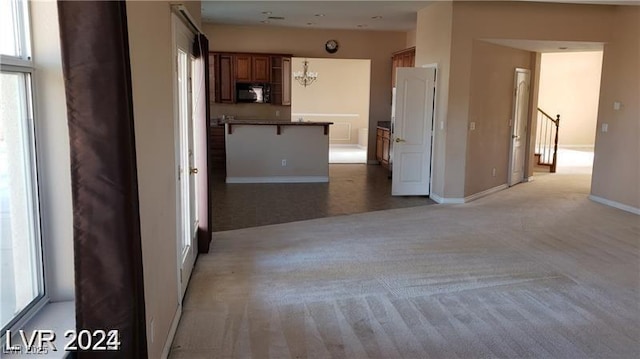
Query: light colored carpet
point(534, 271)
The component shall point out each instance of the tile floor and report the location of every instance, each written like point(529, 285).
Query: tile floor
point(352, 188)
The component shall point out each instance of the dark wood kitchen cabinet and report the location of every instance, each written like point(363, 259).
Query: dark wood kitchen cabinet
point(252, 68)
point(222, 71)
point(226, 69)
point(383, 144)
point(404, 58)
point(243, 68)
point(281, 80)
point(261, 68)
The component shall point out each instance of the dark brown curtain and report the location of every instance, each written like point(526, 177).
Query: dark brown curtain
point(107, 250)
point(203, 128)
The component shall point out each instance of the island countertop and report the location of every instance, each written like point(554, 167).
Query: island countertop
point(276, 123)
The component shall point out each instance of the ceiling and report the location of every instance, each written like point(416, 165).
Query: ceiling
point(356, 15)
point(333, 14)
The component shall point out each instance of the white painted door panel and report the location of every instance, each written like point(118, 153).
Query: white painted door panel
point(412, 131)
point(519, 127)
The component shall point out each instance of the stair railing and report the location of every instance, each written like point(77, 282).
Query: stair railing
point(546, 150)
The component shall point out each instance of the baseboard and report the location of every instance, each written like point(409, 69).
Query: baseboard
point(485, 193)
point(172, 333)
point(615, 204)
point(279, 179)
point(443, 200)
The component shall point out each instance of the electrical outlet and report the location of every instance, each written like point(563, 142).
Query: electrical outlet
point(277, 113)
point(472, 126)
point(493, 172)
point(284, 163)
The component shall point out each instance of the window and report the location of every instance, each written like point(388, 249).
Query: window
point(21, 267)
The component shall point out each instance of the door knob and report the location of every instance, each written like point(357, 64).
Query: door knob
point(193, 171)
point(515, 136)
point(398, 140)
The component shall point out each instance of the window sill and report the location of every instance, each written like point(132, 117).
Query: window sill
point(57, 317)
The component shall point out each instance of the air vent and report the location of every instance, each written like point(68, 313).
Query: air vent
point(275, 18)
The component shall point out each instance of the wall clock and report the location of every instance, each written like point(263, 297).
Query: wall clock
point(331, 46)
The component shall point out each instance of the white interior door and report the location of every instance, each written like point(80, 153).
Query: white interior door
point(185, 151)
point(412, 131)
point(519, 126)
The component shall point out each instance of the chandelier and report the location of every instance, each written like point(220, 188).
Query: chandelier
point(305, 77)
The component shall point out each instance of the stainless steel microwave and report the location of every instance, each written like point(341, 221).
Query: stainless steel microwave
point(253, 93)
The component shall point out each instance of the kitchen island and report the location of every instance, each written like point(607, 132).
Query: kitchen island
point(262, 151)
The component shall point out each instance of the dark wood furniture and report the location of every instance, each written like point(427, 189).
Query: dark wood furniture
point(383, 144)
point(222, 76)
point(403, 58)
point(217, 149)
point(281, 80)
point(227, 69)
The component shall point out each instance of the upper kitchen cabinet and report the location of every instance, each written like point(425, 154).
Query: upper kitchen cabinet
point(252, 68)
point(403, 58)
point(243, 68)
point(261, 68)
point(281, 80)
point(222, 71)
point(229, 69)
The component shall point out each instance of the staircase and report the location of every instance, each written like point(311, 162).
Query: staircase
point(546, 152)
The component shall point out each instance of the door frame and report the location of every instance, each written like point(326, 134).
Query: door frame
point(176, 21)
point(513, 123)
point(433, 121)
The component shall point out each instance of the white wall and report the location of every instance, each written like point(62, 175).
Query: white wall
point(570, 86)
point(53, 150)
point(339, 95)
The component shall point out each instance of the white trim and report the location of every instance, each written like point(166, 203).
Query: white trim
point(485, 193)
point(512, 122)
point(279, 179)
point(325, 114)
point(334, 129)
point(442, 200)
point(615, 204)
point(172, 333)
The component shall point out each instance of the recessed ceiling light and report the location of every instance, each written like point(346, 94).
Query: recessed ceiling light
point(376, 17)
point(361, 25)
point(562, 47)
point(266, 13)
point(318, 15)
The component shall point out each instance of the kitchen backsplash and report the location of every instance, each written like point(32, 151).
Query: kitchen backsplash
point(251, 111)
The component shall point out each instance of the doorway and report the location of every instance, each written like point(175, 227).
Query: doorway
point(185, 154)
point(519, 126)
point(340, 94)
point(570, 87)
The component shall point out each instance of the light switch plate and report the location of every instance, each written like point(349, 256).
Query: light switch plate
point(616, 106)
point(472, 126)
point(605, 127)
